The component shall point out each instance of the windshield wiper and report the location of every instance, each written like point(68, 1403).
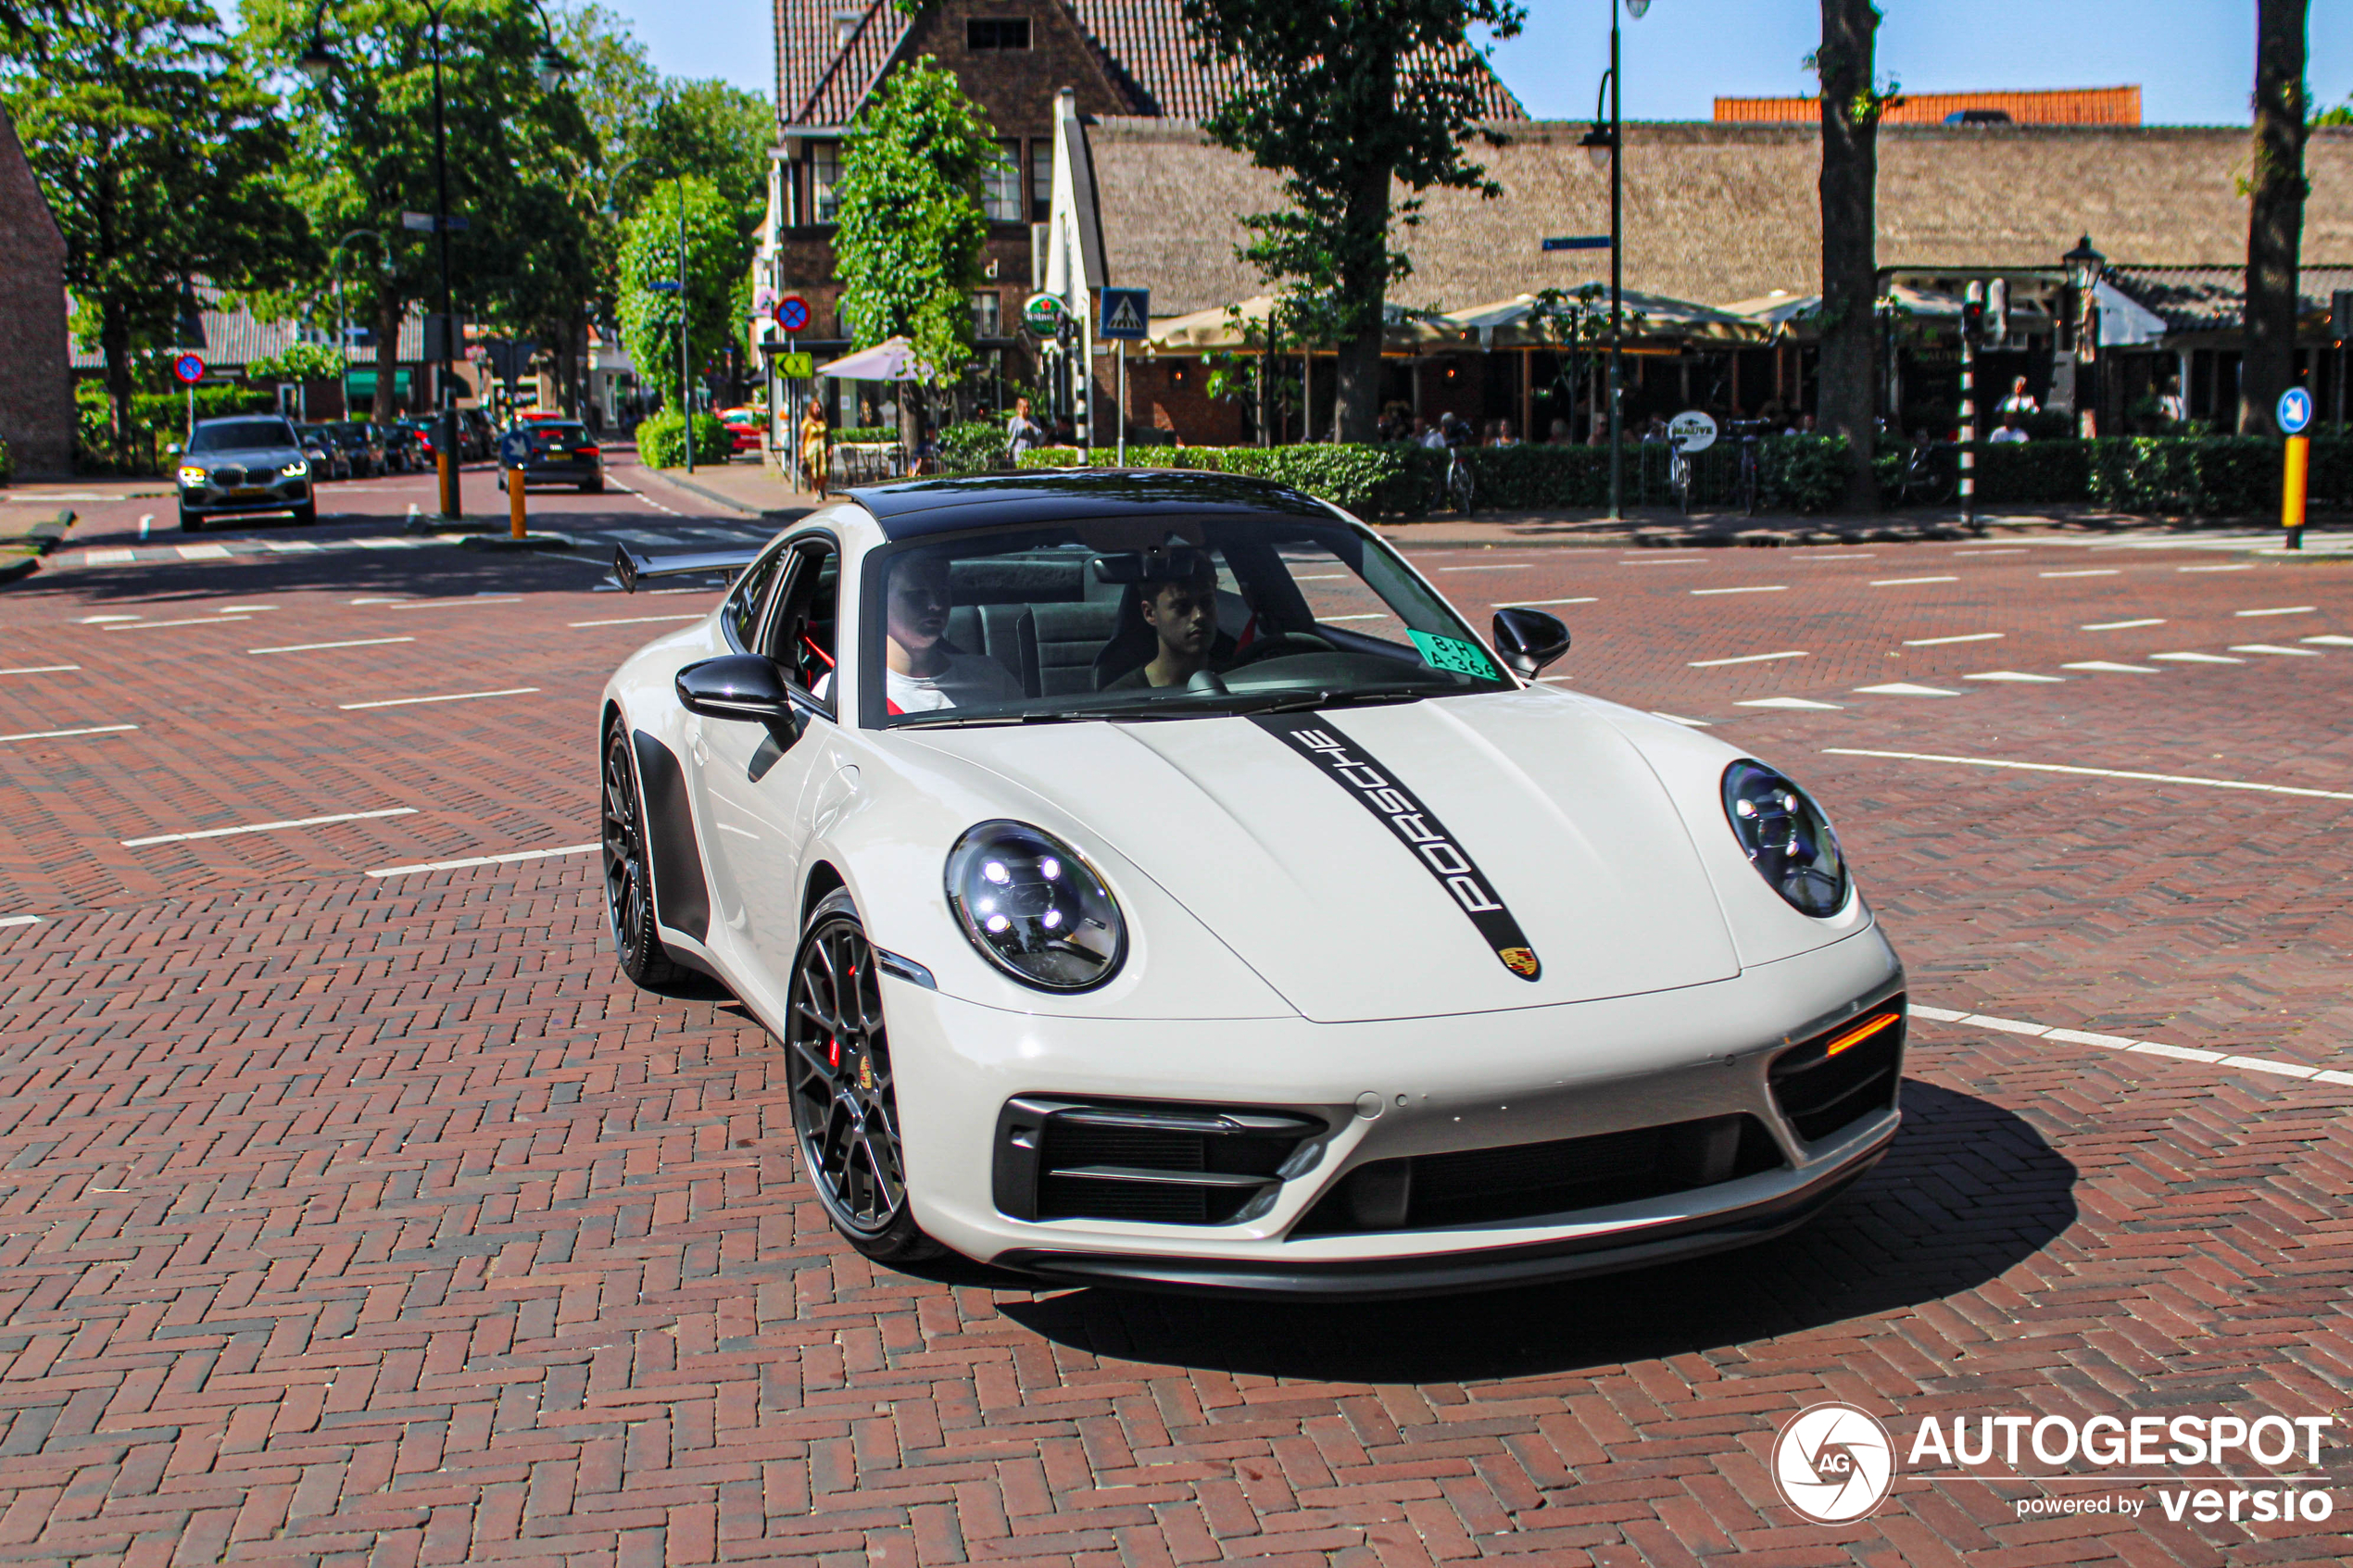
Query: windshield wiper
point(1299, 701)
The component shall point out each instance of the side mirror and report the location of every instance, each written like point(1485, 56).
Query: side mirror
point(1529, 639)
point(741, 686)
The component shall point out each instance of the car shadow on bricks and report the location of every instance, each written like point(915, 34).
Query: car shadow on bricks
point(1966, 1190)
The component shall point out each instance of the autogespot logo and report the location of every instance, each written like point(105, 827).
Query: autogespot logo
point(1833, 1463)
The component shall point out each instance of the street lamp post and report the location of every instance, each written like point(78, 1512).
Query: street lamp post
point(318, 64)
point(1608, 140)
point(2084, 268)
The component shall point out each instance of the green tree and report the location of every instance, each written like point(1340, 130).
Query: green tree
point(1851, 107)
point(518, 157)
point(158, 154)
point(1342, 100)
point(651, 318)
point(912, 230)
point(2275, 213)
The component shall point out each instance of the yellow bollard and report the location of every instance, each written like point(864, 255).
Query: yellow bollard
point(445, 470)
point(2300, 457)
point(514, 502)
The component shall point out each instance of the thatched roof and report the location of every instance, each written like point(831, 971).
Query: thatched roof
point(1719, 212)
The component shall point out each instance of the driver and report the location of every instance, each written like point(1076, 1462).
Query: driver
point(1182, 613)
point(922, 672)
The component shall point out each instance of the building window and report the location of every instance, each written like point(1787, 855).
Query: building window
point(996, 32)
point(1001, 186)
point(987, 318)
point(1042, 180)
point(825, 175)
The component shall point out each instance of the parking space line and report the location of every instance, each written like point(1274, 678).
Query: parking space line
point(2273, 649)
point(2111, 668)
point(2197, 657)
point(443, 604)
point(1907, 582)
point(1906, 688)
point(1996, 550)
point(2235, 566)
point(2095, 772)
point(59, 735)
point(636, 621)
point(2018, 675)
point(2124, 1043)
point(269, 827)
point(2282, 610)
point(313, 647)
point(39, 668)
point(485, 860)
point(1759, 588)
point(1964, 637)
point(238, 619)
point(1786, 702)
point(1747, 659)
point(2087, 572)
point(1498, 566)
point(20, 919)
point(2330, 639)
point(2117, 625)
point(202, 552)
point(109, 557)
point(1532, 604)
point(452, 696)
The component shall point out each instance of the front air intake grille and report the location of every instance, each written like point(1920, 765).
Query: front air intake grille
point(1844, 1074)
point(228, 479)
point(1533, 1180)
point(1169, 1164)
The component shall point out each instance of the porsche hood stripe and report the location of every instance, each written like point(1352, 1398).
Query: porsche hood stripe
point(1350, 766)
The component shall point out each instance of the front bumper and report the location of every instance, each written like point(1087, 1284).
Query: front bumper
point(279, 495)
point(1385, 1092)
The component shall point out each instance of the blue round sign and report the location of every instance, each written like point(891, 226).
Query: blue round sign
point(2294, 411)
point(792, 313)
point(188, 370)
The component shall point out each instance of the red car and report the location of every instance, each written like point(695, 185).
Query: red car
point(744, 426)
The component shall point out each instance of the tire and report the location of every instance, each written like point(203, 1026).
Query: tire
point(592, 487)
point(629, 893)
point(306, 513)
point(189, 522)
point(845, 1104)
point(1462, 490)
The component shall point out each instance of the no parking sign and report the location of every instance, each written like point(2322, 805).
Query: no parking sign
point(187, 369)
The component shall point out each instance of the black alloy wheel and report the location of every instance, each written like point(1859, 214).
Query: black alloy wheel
point(845, 1106)
point(629, 900)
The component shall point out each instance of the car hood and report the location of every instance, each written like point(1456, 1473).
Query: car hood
point(244, 456)
point(1270, 843)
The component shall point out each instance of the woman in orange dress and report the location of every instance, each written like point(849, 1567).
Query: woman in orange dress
point(816, 441)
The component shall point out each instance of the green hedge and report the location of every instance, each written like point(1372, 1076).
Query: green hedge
point(663, 445)
point(869, 433)
point(974, 446)
point(7, 464)
point(1372, 481)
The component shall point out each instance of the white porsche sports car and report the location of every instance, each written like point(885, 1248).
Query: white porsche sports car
point(1151, 879)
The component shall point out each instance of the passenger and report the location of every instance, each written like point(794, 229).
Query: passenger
point(922, 672)
point(1182, 613)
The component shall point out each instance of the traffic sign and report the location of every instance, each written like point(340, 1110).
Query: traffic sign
point(795, 367)
point(1127, 315)
point(1577, 242)
point(792, 314)
point(1692, 431)
point(2294, 411)
point(1044, 312)
point(664, 285)
point(187, 369)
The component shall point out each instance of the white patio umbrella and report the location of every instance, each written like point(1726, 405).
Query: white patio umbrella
point(1514, 323)
point(891, 359)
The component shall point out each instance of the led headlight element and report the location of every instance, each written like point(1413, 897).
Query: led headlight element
point(1033, 908)
point(1786, 838)
point(194, 476)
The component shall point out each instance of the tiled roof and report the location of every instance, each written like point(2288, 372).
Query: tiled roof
point(2204, 299)
point(834, 50)
point(234, 339)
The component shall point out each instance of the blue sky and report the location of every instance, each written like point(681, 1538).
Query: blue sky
point(2194, 59)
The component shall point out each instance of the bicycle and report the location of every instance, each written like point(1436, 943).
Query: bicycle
point(1679, 473)
point(1455, 486)
point(1749, 484)
point(1931, 474)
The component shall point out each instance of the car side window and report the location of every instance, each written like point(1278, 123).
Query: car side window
point(801, 635)
point(749, 595)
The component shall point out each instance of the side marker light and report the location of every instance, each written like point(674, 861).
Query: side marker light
point(1860, 1032)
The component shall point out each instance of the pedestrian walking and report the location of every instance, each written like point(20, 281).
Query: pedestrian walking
point(816, 448)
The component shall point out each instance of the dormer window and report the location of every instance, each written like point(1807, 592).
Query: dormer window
point(846, 27)
point(996, 32)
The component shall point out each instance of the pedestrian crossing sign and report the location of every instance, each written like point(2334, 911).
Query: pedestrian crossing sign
point(1126, 314)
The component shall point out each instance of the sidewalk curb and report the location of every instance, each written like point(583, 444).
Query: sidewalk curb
point(779, 513)
point(500, 542)
point(35, 542)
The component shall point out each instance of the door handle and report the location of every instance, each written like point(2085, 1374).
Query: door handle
point(839, 791)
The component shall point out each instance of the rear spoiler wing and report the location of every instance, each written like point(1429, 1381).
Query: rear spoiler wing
point(628, 566)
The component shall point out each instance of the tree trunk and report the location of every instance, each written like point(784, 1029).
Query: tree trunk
point(114, 336)
point(387, 327)
point(1849, 386)
point(2275, 213)
point(1363, 282)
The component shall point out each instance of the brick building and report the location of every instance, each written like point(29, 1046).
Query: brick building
point(36, 388)
point(1014, 59)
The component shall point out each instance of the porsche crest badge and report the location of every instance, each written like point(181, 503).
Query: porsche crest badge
point(1520, 962)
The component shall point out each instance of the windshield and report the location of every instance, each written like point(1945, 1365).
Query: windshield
point(557, 435)
point(229, 435)
point(1158, 619)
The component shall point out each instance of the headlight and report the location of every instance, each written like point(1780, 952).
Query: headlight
point(296, 469)
point(194, 476)
point(1033, 908)
point(1786, 837)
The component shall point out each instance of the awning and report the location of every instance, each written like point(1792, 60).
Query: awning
point(891, 359)
point(1518, 322)
point(1224, 326)
point(362, 384)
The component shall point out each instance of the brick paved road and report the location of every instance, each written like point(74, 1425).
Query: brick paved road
point(372, 1220)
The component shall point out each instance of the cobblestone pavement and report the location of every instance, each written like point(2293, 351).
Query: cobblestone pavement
point(372, 1219)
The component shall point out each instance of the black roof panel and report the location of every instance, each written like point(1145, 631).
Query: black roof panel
point(920, 507)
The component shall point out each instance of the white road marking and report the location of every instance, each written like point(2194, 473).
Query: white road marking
point(1996, 550)
point(290, 546)
point(379, 601)
point(109, 557)
point(58, 735)
point(2283, 609)
point(2016, 675)
point(2330, 638)
point(1785, 702)
point(269, 827)
point(485, 860)
point(2123, 1042)
point(1678, 719)
point(203, 552)
point(441, 604)
point(1964, 637)
point(96, 620)
point(642, 619)
point(2197, 657)
point(1866, 555)
point(1677, 560)
point(2107, 667)
point(312, 647)
point(1907, 582)
point(1759, 588)
point(453, 697)
point(20, 919)
point(200, 620)
point(1747, 659)
point(2272, 647)
point(1499, 566)
point(241, 609)
point(2095, 772)
point(2117, 625)
point(2239, 566)
point(2088, 571)
point(1905, 688)
point(1532, 604)
point(39, 668)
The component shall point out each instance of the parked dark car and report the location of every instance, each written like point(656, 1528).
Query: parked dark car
point(553, 452)
point(477, 437)
point(329, 460)
point(361, 444)
point(403, 452)
point(251, 463)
